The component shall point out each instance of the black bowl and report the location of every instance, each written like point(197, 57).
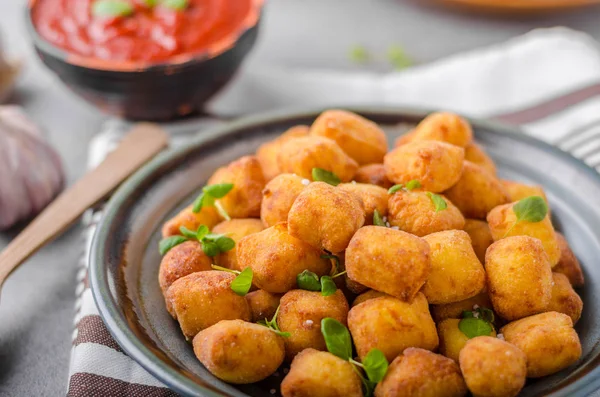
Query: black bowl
point(124, 258)
point(157, 92)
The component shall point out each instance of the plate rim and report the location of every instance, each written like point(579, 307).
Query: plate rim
point(116, 322)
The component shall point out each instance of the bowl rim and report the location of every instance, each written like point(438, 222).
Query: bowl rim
point(215, 49)
point(116, 322)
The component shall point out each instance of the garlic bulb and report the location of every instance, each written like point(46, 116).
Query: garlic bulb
point(31, 173)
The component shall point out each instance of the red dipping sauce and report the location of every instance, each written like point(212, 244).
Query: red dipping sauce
point(151, 35)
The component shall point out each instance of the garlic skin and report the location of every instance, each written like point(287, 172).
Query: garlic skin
point(31, 174)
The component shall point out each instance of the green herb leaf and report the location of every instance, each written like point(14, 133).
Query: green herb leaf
point(473, 327)
point(225, 243)
point(111, 8)
point(375, 365)
point(414, 184)
point(175, 4)
point(398, 57)
point(319, 174)
point(438, 201)
point(187, 232)
point(358, 54)
point(210, 248)
point(272, 325)
point(167, 243)
point(308, 280)
point(198, 203)
point(150, 3)
point(218, 190)
point(328, 286)
point(243, 282)
point(531, 209)
point(395, 188)
point(467, 314)
point(201, 232)
point(337, 338)
point(486, 314)
point(336, 261)
point(377, 220)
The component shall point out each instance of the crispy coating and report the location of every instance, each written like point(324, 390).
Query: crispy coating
point(239, 352)
point(320, 374)
point(454, 310)
point(481, 236)
point(477, 192)
point(391, 325)
point(452, 339)
point(475, 154)
point(263, 304)
point(492, 367)
point(437, 165)
point(405, 138)
point(186, 217)
point(360, 138)
point(301, 313)
point(267, 152)
point(518, 191)
point(354, 286)
point(421, 373)
point(278, 197)
point(365, 296)
point(181, 260)
point(202, 299)
point(243, 201)
point(326, 217)
point(564, 298)
point(548, 340)
point(519, 277)
point(414, 212)
point(373, 174)
point(568, 263)
point(236, 229)
point(387, 260)
point(276, 258)
point(456, 273)
point(300, 155)
point(502, 218)
point(444, 127)
point(373, 198)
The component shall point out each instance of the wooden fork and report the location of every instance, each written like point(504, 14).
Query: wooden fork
point(141, 144)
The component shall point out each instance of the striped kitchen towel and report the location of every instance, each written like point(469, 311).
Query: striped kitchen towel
point(547, 81)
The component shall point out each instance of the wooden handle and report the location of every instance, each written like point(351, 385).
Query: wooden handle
point(141, 144)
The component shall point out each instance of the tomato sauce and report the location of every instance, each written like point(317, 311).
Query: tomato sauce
point(150, 35)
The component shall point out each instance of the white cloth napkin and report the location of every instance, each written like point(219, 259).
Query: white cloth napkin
point(547, 80)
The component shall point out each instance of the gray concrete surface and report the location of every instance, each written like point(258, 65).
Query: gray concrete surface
point(36, 308)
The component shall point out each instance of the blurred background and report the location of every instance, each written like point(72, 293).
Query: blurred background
point(332, 37)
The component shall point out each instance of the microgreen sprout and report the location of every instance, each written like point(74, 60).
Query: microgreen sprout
point(242, 283)
point(410, 185)
point(208, 198)
point(377, 219)
point(111, 8)
point(212, 244)
point(272, 325)
point(319, 174)
point(438, 201)
point(339, 343)
point(478, 322)
point(530, 209)
point(310, 281)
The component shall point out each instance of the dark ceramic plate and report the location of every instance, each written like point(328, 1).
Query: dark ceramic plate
point(125, 259)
